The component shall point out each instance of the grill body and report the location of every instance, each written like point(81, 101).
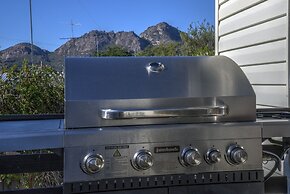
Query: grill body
point(123, 84)
point(160, 125)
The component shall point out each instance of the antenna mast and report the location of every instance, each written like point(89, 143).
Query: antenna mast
point(72, 25)
point(31, 31)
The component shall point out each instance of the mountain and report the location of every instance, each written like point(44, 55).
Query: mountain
point(89, 43)
point(161, 33)
point(22, 51)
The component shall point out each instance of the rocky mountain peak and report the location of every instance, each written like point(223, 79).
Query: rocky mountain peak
point(21, 51)
point(90, 42)
point(162, 33)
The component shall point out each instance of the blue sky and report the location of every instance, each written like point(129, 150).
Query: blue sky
point(52, 18)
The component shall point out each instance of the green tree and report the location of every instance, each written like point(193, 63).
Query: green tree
point(114, 51)
point(169, 49)
point(199, 40)
point(34, 89)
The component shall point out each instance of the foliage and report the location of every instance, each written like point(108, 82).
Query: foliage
point(170, 49)
point(199, 40)
point(114, 51)
point(32, 89)
point(31, 180)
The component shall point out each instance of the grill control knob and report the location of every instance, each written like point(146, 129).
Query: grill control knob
point(142, 160)
point(212, 156)
point(236, 154)
point(190, 157)
point(92, 164)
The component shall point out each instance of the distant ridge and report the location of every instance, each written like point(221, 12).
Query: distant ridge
point(87, 45)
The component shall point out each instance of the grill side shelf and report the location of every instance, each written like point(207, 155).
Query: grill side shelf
point(19, 117)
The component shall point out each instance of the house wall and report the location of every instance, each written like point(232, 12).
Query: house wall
point(254, 33)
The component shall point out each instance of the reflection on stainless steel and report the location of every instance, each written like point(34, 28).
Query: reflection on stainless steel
point(163, 113)
point(94, 84)
point(236, 154)
point(160, 122)
point(213, 156)
point(92, 164)
point(142, 160)
point(190, 157)
point(155, 67)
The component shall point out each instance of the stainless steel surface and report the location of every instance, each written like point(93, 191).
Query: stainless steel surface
point(154, 118)
point(213, 155)
point(92, 164)
point(94, 84)
point(118, 145)
point(88, 112)
point(159, 133)
point(142, 160)
point(190, 157)
point(31, 135)
point(155, 67)
point(236, 154)
point(42, 134)
point(275, 127)
point(165, 113)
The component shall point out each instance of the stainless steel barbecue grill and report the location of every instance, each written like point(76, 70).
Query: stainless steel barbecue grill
point(142, 91)
point(160, 124)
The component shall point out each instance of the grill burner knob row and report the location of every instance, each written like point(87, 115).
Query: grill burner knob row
point(236, 154)
point(213, 156)
point(142, 160)
point(190, 157)
point(92, 163)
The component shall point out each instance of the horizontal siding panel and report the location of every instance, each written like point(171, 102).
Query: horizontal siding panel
point(267, 74)
point(262, 12)
point(235, 6)
point(272, 30)
point(265, 53)
point(272, 95)
point(264, 106)
point(222, 1)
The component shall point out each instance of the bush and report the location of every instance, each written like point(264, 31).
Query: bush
point(34, 89)
point(114, 51)
point(198, 41)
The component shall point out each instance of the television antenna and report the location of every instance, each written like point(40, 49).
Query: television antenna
point(31, 31)
point(72, 25)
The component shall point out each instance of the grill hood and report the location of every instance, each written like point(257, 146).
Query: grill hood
point(119, 91)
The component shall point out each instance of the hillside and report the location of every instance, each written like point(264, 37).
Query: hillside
point(89, 43)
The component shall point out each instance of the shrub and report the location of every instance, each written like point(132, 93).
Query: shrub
point(34, 89)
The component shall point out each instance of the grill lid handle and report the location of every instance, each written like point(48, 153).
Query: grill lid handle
point(111, 114)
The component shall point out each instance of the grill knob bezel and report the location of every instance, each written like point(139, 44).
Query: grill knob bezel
point(233, 157)
point(212, 159)
point(92, 161)
point(142, 160)
point(187, 160)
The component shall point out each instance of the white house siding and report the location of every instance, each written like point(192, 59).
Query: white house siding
point(254, 33)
